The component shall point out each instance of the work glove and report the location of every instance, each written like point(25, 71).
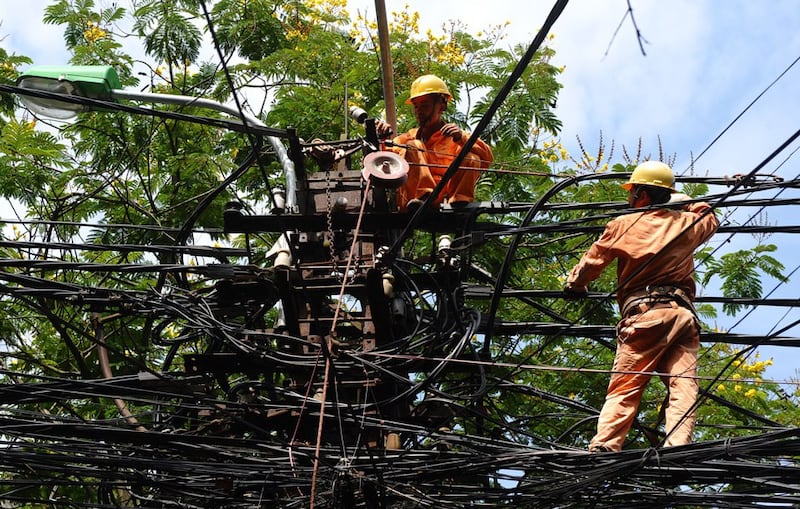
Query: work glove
point(574, 292)
point(680, 199)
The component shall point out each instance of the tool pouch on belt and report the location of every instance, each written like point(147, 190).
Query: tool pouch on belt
point(652, 295)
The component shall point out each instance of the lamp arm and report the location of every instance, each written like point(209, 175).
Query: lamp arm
point(200, 102)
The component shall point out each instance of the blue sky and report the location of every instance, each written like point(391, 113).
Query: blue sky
point(705, 61)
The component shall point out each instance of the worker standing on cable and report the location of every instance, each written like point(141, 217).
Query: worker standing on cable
point(430, 147)
point(659, 330)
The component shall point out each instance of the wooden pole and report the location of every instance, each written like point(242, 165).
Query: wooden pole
point(387, 69)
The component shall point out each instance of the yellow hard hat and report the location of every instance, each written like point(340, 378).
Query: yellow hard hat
point(428, 84)
point(651, 173)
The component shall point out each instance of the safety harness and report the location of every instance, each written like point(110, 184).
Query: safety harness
point(654, 297)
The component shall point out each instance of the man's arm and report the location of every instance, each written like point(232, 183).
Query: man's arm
point(484, 152)
point(593, 262)
point(708, 222)
point(480, 148)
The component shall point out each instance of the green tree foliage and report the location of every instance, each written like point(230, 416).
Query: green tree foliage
point(742, 271)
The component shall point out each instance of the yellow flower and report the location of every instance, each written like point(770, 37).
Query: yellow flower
point(93, 32)
point(721, 387)
point(294, 34)
point(750, 393)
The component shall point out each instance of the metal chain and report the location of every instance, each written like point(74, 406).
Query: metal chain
point(329, 218)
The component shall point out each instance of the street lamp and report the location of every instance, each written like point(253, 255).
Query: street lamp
point(91, 81)
point(102, 83)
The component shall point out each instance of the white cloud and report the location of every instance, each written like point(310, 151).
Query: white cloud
point(23, 32)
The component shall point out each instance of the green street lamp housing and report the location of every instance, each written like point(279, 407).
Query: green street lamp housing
point(90, 81)
point(101, 82)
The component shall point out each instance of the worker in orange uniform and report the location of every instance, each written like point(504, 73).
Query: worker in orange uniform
point(430, 147)
point(659, 330)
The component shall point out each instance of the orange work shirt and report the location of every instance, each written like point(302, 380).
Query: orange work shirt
point(648, 254)
point(442, 150)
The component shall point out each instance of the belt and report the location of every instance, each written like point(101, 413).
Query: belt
point(639, 306)
point(656, 297)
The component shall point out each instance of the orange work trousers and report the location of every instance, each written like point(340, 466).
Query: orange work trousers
point(663, 340)
point(422, 178)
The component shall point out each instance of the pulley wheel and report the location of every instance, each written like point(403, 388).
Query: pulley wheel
point(385, 169)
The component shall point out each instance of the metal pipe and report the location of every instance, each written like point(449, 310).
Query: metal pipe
point(199, 102)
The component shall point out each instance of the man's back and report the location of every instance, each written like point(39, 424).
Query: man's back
point(653, 247)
